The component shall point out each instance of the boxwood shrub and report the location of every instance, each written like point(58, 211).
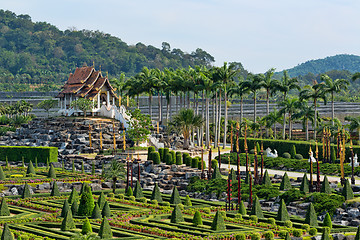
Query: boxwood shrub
point(17, 153)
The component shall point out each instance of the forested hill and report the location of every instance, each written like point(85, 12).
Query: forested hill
point(41, 53)
point(339, 62)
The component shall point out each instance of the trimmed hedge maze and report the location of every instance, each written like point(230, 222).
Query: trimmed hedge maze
point(134, 214)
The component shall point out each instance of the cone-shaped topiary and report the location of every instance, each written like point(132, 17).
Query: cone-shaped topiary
point(87, 204)
point(2, 175)
point(311, 217)
point(176, 215)
point(242, 209)
point(55, 190)
point(156, 195)
point(285, 182)
point(155, 157)
point(333, 155)
point(6, 234)
point(216, 174)
point(101, 200)
point(129, 192)
point(106, 212)
point(83, 187)
point(287, 237)
point(105, 229)
point(256, 208)
point(357, 236)
point(293, 152)
point(26, 193)
point(96, 213)
point(68, 222)
point(30, 169)
point(65, 208)
point(175, 196)
point(4, 209)
point(304, 184)
point(266, 179)
point(197, 220)
point(74, 196)
point(74, 208)
point(138, 190)
point(327, 221)
point(86, 227)
point(218, 223)
point(51, 172)
point(187, 201)
point(93, 168)
point(325, 186)
point(282, 214)
point(347, 191)
point(325, 234)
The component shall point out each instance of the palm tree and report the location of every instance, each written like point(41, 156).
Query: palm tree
point(148, 78)
point(305, 113)
point(225, 74)
point(315, 92)
point(334, 86)
point(239, 90)
point(271, 119)
point(114, 171)
point(354, 124)
point(290, 105)
point(254, 83)
point(184, 122)
point(285, 86)
point(134, 87)
point(119, 84)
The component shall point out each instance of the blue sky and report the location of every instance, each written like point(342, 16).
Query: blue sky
point(260, 34)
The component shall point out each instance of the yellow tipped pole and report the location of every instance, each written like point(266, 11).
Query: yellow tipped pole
point(114, 136)
point(157, 127)
point(237, 136)
point(124, 141)
point(90, 135)
point(101, 141)
point(229, 163)
point(231, 139)
point(127, 101)
point(311, 168)
point(119, 101)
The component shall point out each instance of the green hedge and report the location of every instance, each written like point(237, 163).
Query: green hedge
point(16, 153)
point(282, 146)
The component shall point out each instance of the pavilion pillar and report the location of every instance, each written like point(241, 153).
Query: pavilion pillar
point(61, 103)
point(113, 101)
point(108, 99)
point(98, 100)
point(70, 99)
point(65, 102)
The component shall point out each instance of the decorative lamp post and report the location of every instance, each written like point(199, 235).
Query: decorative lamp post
point(256, 176)
point(311, 170)
point(352, 163)
point(318, 169)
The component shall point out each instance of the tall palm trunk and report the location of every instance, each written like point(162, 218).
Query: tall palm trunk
point(197, 112)
point(215, 121)
point(219, 119)
point(160, 107)
point(307, 129)
point(332, 109)
point(241, 109)
point(315, 119)
point(226, 116)
point(267, 109)
point(188, 99)
point(290, 126)
point(284, 121)
point(207, 130)
point(254, 107)
point(168, 102)
point(275, 130)
point(203, 116)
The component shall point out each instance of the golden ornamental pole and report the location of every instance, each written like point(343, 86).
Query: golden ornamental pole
point(114, 136)
point(237, 136)
point(157, 128)
point(124, 141)
point(229, 164)
point(323, 145)
point(342, 156)
point(231, 139)
point(329, 145)
point(311, 169)
point(101, 141)
point(127, 101)
point(119, 101)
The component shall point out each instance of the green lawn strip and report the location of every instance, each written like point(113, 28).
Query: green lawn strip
point(48, 204)
point(36, 231)
point(166, 227)
point(19, 208)
point(125, 207)
point(129, 233)
point(54, 228)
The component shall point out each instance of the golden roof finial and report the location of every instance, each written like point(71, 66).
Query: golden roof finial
point(93, 63)
point(100, 69)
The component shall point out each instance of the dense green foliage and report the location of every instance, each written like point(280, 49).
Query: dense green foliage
point(105, 229)
point(256, 208)
point(197, 220)
point(74, 196)
point(282, 214)
point(327, 221)
point(51, 172)
point(30, 169)
point(311, 217)
point(156, 195)
point(16, 153)
point(176, 215)
point(347, 191)
point(285, 182)
point(325, 186)
point(65, 208)
point(106, 212)
point(4, 209)
point(216, 173)
point(55, 190)
point(175, 197)
point(96, 213)
point(218, 223)
point(304, 184)
point(2, 175)
point(86, 227)
point(68, 222)
point(101, 200)
point(6, 234)
point(155, 157)
point(37, 53)
point(87, 204)
point(26, 193)
point(138, 191)
point(326, 202)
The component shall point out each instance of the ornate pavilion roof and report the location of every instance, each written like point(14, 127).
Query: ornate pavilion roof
point(85, 82)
